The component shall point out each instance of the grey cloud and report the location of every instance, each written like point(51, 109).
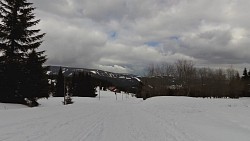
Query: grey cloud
point(209, 32)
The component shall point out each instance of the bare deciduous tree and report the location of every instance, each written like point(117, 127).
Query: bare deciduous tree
point(186, 73)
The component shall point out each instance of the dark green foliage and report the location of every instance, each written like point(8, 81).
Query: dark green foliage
point(74, 85)
point(245, 74)
point(102, 83)
point(236, 87)
point(246, 82)
point(35, 83)
point(83, 85)
point(90, 88)
point(17, 42)
point(10, 83)
point(60, 88)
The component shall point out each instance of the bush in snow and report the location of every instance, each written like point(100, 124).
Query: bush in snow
point(31, 102)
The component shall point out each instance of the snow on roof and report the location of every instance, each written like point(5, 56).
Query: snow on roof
point(94, 72)
point(137, 79)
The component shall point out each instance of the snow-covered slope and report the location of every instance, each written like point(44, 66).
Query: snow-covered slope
point(129, 119)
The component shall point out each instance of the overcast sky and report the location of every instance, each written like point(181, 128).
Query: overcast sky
point(128, 35)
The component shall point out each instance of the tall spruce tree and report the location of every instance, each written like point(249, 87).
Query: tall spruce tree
point(60, 89)
point(74, 83)
point(89, 86)
point(18, 39)
point(35, 84)
point(245, 74)
point(83, 85)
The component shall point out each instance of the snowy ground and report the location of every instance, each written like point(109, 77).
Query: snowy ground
point(130, 119)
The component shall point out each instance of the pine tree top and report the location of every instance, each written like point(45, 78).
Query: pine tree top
point(16, 35)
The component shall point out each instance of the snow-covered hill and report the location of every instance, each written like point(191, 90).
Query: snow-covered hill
point(128, 119)
point(127, 82)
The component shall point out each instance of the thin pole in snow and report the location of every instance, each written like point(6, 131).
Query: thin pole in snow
point(64, 94)
point(99, 91)
point(116, 95)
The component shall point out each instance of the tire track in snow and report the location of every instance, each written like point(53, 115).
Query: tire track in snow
point(169, 124)
point(79, 126)
point(42, 129)
point(146, 127)
point(94, 132)
point(93, 127)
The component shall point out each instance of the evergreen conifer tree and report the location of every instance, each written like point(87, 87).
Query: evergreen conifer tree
point(74, 83)
point(17, 40)
point(35, 84)
point(248, 75)
point(245, 75)
point(83, 85)
point(78, 84)
point(89, 85)
point(60, 84)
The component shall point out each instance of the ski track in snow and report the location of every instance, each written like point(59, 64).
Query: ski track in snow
point(130, 119)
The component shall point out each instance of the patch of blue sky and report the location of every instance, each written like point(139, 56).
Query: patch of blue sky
point(112, 35)
point(153, 44)
point(176, 38)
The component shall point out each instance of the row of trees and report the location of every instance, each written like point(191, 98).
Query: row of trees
point(21, 64)
point(183, 78)
point(80, 84)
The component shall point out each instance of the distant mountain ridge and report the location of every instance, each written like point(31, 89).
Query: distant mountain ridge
point(53, 70)
point(128, 82)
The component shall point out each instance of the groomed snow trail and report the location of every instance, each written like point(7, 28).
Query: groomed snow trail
point(130, 119)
